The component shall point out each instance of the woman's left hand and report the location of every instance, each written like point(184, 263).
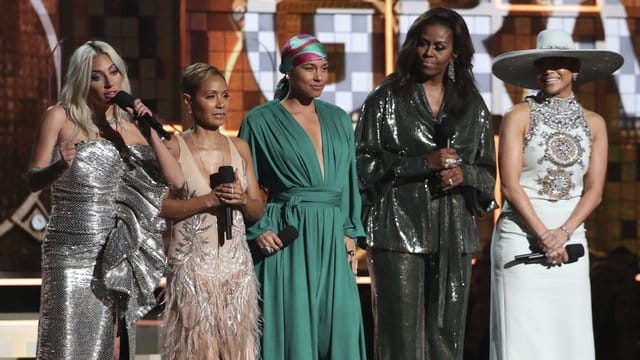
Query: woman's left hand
point(231, 193)
point(557, 256)
point(139, 109)
point(352, 251)
point(451, 177)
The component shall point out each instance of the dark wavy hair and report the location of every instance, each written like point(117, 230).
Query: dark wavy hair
point(408, 73)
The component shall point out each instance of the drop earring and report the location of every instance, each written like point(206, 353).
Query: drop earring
point(451, 71)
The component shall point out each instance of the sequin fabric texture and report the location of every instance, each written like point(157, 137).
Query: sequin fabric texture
point(556, 149)
point(102, 252)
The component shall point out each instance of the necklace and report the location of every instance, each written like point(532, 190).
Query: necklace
point(195, 145)
point(223, 148)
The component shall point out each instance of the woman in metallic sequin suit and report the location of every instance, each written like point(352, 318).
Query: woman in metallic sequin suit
point(553, 159)
point(102, 253)
point(426, 161)
point(211, 308)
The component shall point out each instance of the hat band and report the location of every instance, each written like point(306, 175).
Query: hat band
point(556, 47)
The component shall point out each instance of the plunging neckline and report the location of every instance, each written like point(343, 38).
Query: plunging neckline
point(310, 141)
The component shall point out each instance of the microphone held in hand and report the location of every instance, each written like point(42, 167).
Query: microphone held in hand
point(125, 101)
point(286, 235)
point(224, 175)
point(444, 133)
point(574, 251)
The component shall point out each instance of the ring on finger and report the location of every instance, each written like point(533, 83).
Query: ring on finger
point(267, 250)
point(450, 181)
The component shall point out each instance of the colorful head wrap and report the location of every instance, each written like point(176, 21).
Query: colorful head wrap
point(300, 49)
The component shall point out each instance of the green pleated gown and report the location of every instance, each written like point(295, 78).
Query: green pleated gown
point(309, 297)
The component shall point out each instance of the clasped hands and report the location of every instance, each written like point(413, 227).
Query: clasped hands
point(231, 193)
point(447, 163)
point(552, 243)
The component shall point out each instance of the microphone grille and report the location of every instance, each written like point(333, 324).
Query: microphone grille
point(574, 251)
point(123, 99)
point(226, 174)
point(288, 234)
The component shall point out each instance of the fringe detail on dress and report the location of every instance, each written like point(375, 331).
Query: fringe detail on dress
point(211, 300)
point(210, 319)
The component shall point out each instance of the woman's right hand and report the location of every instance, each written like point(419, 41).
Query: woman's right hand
point(269, 242)
point(68, 152)
point(552, 243)
point(444, 158)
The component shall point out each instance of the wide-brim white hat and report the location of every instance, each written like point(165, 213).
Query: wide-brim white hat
point(517, 67)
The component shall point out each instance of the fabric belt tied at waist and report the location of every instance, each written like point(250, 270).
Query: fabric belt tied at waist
point(306, 197)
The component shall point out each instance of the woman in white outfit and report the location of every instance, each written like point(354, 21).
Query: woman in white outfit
point(552, 161)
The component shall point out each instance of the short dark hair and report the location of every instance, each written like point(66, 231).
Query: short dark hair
point(195, 74)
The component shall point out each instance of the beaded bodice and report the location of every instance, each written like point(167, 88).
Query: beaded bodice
point(557, 148)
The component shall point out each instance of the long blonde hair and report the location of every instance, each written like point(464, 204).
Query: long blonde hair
point(73, 96)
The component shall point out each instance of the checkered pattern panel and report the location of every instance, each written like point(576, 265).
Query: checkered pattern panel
point(352, 31)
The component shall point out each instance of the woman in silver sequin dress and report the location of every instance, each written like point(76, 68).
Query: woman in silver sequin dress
point(552, 159)
point(102, 254)
point(211, 308)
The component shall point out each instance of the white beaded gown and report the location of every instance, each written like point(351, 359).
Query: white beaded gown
point(211, 309)
point(540, 311)
point(102, 253)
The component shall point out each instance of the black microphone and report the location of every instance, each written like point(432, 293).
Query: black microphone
point(444, 133)
point(224, 176)
point(574, 251)
point(124, 100)
point(286, 235)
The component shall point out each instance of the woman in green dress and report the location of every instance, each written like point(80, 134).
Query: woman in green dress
point(303, 152)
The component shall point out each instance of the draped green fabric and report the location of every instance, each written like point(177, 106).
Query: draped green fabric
point(310, 302)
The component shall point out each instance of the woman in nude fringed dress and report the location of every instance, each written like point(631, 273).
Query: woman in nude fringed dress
point(211, 309)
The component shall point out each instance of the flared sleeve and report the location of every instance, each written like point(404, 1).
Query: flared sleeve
point(133, 258)
point(480, 175)
point(255, 142)
point(351, 201)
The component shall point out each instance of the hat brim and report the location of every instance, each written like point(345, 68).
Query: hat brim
point(517, 67)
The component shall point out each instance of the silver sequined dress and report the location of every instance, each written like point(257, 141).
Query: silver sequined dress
point(102, 252)
point(540, 311)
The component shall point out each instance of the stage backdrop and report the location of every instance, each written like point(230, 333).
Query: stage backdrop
point(243, 37)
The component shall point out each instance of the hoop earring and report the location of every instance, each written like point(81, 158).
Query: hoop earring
point(451, 71)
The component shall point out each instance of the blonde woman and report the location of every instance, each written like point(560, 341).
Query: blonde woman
point(102, 253)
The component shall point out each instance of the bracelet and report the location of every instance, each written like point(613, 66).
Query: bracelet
point(565, 231)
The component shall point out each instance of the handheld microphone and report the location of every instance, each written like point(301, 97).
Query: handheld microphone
point(125, 101)
point(286, 235)
point(224, 176)
point(574, 251)
point(444, 133)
